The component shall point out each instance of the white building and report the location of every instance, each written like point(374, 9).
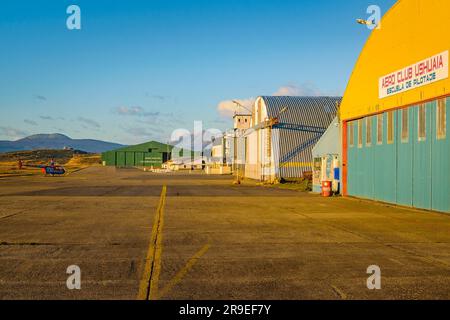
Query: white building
point(282, 133)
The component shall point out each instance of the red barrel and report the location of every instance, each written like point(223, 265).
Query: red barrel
point(326, 188)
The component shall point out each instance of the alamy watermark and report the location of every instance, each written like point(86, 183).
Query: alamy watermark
point(374, 281)
point(74, 280)
point(73, 21)
point(374, 19)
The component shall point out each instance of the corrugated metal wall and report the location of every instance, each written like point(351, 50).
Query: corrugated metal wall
point(413, 172)
point(132, 159)
point(145, 154)
point(292, 148)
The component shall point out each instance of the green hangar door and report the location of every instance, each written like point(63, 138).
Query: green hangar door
point(129, 159)
point(120, 159)
point(139, 159)
point(166, 156)
point(149, 154)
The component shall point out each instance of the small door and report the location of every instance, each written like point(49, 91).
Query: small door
point(384, 157)
point(368, 158)
point(139, 161)
point(165, 157)
point(129, 158)
point(405, 155)
point(440, 165)
point(422, 156)
point(352, 158)
point(120, 160)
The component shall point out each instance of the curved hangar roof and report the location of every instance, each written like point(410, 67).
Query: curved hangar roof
point(412, 43)
point(311, 111)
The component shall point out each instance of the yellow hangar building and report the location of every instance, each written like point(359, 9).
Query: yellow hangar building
point(395, 109)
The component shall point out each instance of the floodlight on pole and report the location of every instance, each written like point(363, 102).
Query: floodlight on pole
point(241, 106)
point(364, 22)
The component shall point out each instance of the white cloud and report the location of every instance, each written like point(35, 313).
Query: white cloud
point(140, 132)
point(228, 108)
point(89, 122)
point(40, 97)
point(306, 89)
point(30, 122)
point(46, 117)
point(12, 132)
point(135, 111)
point(129, 111)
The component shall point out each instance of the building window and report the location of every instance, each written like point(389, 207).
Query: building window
point(405, 125)
point(380, 128)
point(360, 133)
point(351, 134)
point(369, 131)
point(441, 119)
point(390, 127)
point(422, 130)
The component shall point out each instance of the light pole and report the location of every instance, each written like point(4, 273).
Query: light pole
point(241, 106)
point(366, 22)
point(272, 121)
point(236, 131)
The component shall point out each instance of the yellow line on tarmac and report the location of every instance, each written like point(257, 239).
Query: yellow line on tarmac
point(149, 283)
point(339, 292)
point(180, 275)
point(154, 280)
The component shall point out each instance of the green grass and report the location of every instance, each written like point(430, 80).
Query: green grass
point(301, 185)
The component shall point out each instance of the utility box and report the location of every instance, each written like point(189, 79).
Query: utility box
point(326, 168)
point(327, 159)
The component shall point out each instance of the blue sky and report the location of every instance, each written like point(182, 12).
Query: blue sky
point(139, 69)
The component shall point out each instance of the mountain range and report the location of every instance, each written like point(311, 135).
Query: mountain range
point(57, 141)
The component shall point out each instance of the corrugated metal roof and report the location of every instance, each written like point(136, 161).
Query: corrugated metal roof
point(312, 111)
point(293, 148)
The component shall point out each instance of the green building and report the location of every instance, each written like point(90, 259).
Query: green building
point(142, 155)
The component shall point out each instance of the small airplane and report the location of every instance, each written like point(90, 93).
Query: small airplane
point(49, 169)
point(53, 170)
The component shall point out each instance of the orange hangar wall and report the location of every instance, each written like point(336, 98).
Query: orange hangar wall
point(413, 41)
point(394, 110)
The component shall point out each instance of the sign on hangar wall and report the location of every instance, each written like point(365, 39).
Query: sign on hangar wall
point(422, 73)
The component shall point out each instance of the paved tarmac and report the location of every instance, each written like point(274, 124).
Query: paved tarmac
point(211, 240)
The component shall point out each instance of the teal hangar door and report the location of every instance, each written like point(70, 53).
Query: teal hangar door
point(422, 156)
point(440, 164)
point(405, 155)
